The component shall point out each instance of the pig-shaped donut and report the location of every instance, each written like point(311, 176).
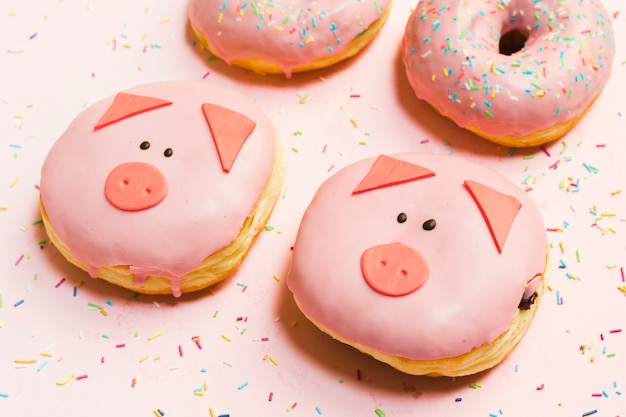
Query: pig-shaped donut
point(162, 188)
point(430, 263)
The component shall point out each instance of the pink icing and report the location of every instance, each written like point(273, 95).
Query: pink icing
point(472, 290)
point(288, 33)
point(204, 208)
point(452, 61)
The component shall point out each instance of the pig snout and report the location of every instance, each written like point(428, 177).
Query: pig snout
point(135, 186)
point(394, 269)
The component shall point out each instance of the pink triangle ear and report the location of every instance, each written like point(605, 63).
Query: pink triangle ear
point(127, 105)
point(498, 210)
point(387, 171)
point(230, 131)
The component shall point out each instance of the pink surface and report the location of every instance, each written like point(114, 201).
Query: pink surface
point(259, 355)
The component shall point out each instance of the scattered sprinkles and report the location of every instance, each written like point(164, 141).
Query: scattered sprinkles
point(488, 98)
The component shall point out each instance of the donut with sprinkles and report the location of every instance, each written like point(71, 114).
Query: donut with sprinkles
point(286, 36)
point(516, 72)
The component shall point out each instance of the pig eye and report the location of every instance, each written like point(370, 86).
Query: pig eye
point(168, 152)
point(401, 217)
point(144, 145)
point(429, 224)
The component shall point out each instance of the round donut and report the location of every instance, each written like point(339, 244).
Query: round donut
point(162, 188)
point(286, 37)
point(518, 72)
point(432, 264)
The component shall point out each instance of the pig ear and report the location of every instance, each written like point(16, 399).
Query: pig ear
point(230, 131)
point(126, 105)
point(387, 171)
point(498, 210)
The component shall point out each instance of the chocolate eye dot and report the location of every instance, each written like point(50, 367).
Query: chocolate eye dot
point(144, 145)
point(401, 217)
point(429, 224)
point(168, 152)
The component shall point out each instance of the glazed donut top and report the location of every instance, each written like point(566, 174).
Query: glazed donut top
point(288, 33)
point(145, 178)
point(451, 51)
point(416, 255)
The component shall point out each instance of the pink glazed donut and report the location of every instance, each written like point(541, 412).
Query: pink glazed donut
point(286, 36)
point(432, 264)
point(162, 188)
point(516, 72)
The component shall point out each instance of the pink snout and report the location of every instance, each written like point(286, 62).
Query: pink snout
point(135, 186)
point(394, 269)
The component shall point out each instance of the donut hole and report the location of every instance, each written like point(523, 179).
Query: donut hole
point(512, 41)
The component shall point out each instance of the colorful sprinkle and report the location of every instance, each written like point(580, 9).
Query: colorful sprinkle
point(65, 381)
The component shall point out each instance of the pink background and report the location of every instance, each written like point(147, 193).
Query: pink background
point(57, 57)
